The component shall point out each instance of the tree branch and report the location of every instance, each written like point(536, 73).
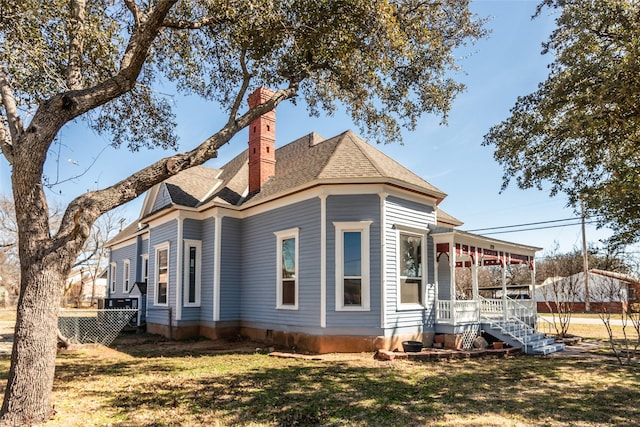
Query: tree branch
point(183, 24)
point(5, 143)
point(138, 15)
point(66, 106)
point(246, 78)
point(75, 30)
point(13, 118)
point(83, 211)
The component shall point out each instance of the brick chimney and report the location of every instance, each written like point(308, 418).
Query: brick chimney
point(262, 139)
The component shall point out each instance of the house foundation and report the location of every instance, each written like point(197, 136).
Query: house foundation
point(297, 341)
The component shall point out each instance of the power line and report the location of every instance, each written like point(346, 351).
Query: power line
point(524, 225)
point(539, 228)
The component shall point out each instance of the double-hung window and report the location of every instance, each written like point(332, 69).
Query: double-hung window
point(352, 265)
point(125, 275)
point(192, 269)
point(145, 267)
point(287, 269)
point(162, 274)
point(411, 269)
point(112, 283)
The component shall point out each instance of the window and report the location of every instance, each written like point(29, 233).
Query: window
point(125, 275)
point(112, 286)
point(145, 267)
point(410, 248)
point(162, 274)
point(352, 265)
point(287, 269)
point(192, 268)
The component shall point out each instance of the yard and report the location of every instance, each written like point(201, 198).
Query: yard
point(143, 380)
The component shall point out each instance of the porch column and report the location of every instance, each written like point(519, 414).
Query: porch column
point(474, 277)
point(504, 286)
point(452, 285)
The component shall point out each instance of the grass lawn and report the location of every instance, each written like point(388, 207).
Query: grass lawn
point(163, 384)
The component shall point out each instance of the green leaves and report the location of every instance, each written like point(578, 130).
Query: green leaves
point(388, 62)
point(579, 130)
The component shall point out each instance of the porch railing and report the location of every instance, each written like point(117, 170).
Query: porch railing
point(457, 312)
point(469, 311)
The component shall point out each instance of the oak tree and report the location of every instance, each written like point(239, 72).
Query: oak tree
point(98, 61)
point(579, 131)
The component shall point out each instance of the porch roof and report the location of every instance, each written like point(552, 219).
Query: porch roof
point(491, 251)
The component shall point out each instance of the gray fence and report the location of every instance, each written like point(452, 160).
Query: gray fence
point(93, 325)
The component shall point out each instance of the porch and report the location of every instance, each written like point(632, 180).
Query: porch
point(484, 284)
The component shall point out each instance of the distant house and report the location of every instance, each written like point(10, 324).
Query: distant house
point(321, 244)
point(615, 290)
point(81, 288)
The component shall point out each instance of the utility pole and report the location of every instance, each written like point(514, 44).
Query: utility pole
point(587, 305)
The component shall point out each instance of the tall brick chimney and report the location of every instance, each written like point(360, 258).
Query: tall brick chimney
point(262, 139)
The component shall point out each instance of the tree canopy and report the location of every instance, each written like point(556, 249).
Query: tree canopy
point(100, 62)
point(580, 130)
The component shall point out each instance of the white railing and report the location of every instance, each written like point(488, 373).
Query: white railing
point(543, 326)
point(521, 309)
point(457, 312)
point(470, 311)
point(491, 307)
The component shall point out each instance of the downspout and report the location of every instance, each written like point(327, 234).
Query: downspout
point(383, 258)
point(179, 248)
point(216, 266)
point(323, 260)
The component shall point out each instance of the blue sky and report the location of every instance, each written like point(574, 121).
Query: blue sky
point(496, 71)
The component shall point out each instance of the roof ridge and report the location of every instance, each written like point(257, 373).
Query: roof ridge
point(358, 142)
point(328, 159)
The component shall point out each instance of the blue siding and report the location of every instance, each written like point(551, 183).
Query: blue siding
point(208, 248)
point(118, 256)
point(444, 278)
point(400, 212)
point(164, 233)
point(191, 230)
point(258, 260)
point(354, 208)
point(230, 269)
point(162, 198)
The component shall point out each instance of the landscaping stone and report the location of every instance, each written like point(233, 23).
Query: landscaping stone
point(480, 343)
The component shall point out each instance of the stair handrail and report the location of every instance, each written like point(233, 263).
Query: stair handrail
point(523, 310)
point(545, 326)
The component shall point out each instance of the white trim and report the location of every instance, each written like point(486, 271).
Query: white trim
point(126, 276)
point(179, 271)
point(113, 271)
point(323, 260)
point(363, 227)
point(292, 233)
point(400, 230)
point(188, 244)
point(217, 257)
point(157, 248)
point(295, 195)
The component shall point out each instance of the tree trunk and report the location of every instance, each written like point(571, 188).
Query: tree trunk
point(27, 396)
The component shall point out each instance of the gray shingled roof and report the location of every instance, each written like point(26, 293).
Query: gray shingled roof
point(191, 186)
point(345, 157)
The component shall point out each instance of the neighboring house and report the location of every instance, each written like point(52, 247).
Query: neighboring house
point(81, 288)
point(606, 289)
point(323, 244)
